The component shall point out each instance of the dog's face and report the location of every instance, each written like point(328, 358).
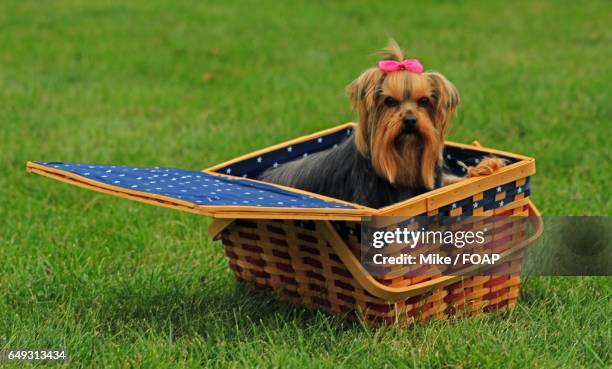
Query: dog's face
point(403, 121)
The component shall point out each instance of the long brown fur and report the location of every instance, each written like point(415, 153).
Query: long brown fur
point(405, 160)
point(487, 166)
point(396, 150)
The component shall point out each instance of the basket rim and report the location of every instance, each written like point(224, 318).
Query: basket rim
point(524, 167)
point(429, 201)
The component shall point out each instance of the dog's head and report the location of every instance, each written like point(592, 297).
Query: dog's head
point(404, 116)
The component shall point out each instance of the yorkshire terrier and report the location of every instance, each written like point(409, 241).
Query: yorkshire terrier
point(396, 150)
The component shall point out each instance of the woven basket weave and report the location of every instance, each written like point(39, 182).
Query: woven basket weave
point(308, 263)
point(316, 263)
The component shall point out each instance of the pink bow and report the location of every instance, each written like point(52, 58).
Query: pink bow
point(411, 65)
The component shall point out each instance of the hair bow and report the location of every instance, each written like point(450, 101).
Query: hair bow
point(411, 65)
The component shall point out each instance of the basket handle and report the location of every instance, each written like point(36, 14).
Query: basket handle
point(401, 293)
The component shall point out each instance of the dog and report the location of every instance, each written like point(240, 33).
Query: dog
point(396, 150)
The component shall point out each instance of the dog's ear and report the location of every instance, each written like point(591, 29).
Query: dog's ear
point(362, 93)
point(446, 100)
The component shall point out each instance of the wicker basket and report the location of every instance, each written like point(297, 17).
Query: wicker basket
point(306, 247)
point(316, 263)
point(310, 263)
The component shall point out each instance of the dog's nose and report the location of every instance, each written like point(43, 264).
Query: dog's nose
point(409, 124)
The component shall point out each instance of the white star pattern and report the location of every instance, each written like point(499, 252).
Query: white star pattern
point(197, 193)
point(193, 186)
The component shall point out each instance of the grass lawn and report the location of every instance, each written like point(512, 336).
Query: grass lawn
point(123, 284)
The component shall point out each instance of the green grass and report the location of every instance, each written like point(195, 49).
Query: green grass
point(122, 284)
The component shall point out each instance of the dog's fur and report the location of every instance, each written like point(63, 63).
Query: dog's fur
point(384, 162)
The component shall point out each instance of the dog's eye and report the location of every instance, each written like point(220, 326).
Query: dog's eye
point(423, 102)
point(391, 102)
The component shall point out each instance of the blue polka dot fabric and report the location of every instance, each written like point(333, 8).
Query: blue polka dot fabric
point(205, 189)
point(455, 157)
point(195, 186)
point(253, 167)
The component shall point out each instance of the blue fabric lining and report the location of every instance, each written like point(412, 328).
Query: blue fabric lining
point(251, 168)
point(205, 189)
point(194, 186)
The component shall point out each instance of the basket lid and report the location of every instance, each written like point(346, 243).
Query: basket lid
point(205, 193)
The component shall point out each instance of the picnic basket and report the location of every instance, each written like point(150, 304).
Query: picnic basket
point(305, 247)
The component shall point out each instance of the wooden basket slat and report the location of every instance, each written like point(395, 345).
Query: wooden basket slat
point(320, 280)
